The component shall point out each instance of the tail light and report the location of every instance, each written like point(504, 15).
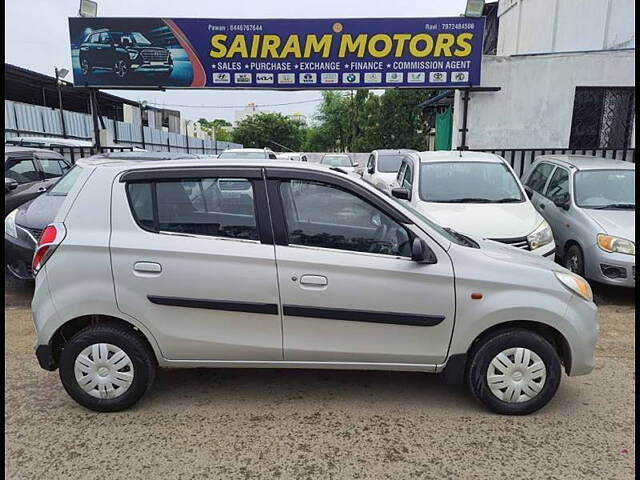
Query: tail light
point(51, 237)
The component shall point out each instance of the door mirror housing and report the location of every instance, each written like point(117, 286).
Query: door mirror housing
point(356, 164)
point(371, 169)
point(421, 253)
point(9, 184)
point(562, 201)
point(401, 193)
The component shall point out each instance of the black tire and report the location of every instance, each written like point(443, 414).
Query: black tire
point(121, 68)
point(142, 358)
point(86, 69)
point(487, 349)
point(574, 260)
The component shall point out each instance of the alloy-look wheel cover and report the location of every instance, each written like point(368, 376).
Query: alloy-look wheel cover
point(516, 375)
point(104, 371)
point(120, 68)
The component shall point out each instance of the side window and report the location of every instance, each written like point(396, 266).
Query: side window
point(272, 156)
point(370, 162)
point(407, 180)
point(559, 184)
point(105, 38)
point(95, 38)
point(401, 171)
point(22, 171)
point(539, 176)
point(51, 167)
point(216, 207)
point(322, 215)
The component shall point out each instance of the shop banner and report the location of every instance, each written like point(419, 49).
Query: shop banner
point(276, 53)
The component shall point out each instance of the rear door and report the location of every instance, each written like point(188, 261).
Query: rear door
point(349, 289)
point(193, 259)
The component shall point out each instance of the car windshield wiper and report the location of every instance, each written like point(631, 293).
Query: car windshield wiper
point(508, 200)
point(465, 200)
point(615, 205)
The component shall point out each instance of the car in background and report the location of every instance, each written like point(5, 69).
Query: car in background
point(24, 225)
point(382, 167)
point(48, 142)
point(248, 153)
point(123, 53)
point(28, 172)
point(473, 193)
point(340, 160)
point(291, 156)
point(590, 204)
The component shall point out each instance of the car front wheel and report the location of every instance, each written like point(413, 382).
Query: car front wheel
point(574, 260)
point(515, 372)
point(106, 368)
point(121, 68)
point(85, 66)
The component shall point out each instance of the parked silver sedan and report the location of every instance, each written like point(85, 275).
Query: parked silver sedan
point(590, 204)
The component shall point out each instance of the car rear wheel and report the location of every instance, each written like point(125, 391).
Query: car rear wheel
point(515, 372)
point(85, 66)
point(574, 260)
point(106, 368)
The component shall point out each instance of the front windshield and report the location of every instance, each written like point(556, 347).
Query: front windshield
point(468, 182)
point(336, 160)
point(389, 163)
point(605, 189)
point(133, 37)
point(66, 182)
point(254, 155)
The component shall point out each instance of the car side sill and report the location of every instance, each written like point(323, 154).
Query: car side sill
point(415, 367)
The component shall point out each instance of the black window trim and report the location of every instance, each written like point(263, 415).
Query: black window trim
point(253, 175)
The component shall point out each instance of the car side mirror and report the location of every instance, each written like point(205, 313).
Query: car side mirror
point(529, 192)
point(401, 193)
point(421, 253)
point(371, 169)
point(562, 201)
point(9, 184)
point(356, 164)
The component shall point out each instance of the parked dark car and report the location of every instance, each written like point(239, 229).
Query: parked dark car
point(123, 53)
point(28, 172)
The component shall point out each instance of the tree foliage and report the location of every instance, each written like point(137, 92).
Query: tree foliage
point(216, 127)
point(269, 130)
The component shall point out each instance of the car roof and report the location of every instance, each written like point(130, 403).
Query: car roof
point(336, 155)
point(458, 156)
point(136, 157)
point(16, 149)
point(250, 150)
point(588, 162)
point(395, 150)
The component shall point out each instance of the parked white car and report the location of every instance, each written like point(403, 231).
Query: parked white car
point(474, 193)
point(382, 167)
point(248, 153)
point(340, 160)
point(153, 264)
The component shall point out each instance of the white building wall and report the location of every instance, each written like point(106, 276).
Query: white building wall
point(534, 107)
point(543, 26)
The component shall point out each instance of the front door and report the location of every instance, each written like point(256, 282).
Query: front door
point(193, 260)
point(349, 289)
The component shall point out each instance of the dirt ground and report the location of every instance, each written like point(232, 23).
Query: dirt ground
point(302, 424)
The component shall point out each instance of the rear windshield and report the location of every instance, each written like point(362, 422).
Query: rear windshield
point(242, 155)
point(389, 163)
point(66, 182)
point(336, 160)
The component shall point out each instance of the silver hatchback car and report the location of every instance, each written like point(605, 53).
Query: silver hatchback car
point(164, 264)
point(590, 203)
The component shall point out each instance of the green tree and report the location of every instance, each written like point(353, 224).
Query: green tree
point(269, 130)
point(216, 127)
point(401, 122)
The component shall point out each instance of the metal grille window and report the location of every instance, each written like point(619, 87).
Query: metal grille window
point(602, 117)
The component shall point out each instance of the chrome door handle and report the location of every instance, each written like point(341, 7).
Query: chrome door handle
point(314, 280)
point(147, 267)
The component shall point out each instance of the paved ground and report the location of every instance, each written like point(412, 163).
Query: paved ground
point(320, 424)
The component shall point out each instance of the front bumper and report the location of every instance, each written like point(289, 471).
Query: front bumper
point(19, 254)
point(594, 260)
point(547, 250)
point(152, 67)
point(582, 335)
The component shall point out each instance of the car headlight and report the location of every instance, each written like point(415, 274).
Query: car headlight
point(616, 244)
point(133, 54)
point(10, 224)
point(576, 284)
point(541, 236)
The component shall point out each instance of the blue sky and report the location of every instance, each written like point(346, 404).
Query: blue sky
point(36, 37)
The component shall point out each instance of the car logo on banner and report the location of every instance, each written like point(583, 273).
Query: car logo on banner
point(221, 77)
point(286, 78)
point(459, 76)
point(373, 77)
point(242, 78)
point(415, 77)
point(328, 78)
point(351, 77)
point(308, 78)
point(393, 77)
point(438, 77)
point(264, 78)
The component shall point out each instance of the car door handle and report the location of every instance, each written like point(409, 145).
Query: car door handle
point(314, 280)
point(147, 267)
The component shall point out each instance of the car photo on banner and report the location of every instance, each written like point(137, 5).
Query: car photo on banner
point(122, 52)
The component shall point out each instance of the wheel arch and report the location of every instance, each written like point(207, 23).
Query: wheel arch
point(456, 368)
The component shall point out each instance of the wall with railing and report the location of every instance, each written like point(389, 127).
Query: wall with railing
point(22, 119)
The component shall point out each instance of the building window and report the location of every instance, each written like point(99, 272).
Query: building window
point(602, 117)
